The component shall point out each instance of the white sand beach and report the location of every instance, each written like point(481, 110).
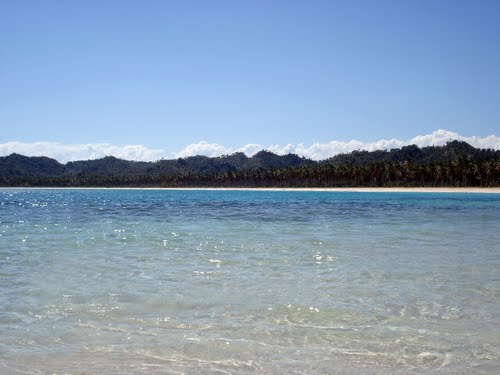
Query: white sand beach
point(361, 190)
point(465, 190)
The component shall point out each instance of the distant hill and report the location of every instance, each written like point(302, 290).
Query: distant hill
point(108, 165)
point(433, 154)
point(454, 164)
point(24, 166)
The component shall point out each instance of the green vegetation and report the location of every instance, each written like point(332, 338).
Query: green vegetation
point(454, 164)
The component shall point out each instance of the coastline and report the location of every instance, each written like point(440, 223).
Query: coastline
point(461, 190)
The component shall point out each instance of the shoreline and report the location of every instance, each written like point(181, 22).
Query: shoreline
point(462, 190)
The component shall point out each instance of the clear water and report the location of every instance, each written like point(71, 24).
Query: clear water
point(154, 282)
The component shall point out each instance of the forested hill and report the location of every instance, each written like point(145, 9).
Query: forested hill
point(454, 164)
point(16, 165)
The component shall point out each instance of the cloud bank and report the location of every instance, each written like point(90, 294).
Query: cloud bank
point(320, 151)
point(71, 152)
point(315, 151)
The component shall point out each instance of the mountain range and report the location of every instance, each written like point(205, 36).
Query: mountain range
point(396, 167)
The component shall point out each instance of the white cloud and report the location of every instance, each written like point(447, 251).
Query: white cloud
point(71, 152)
point(320, 151)
point(215, 149)
point(202, 148)
point(316, 151)
point(250, 149)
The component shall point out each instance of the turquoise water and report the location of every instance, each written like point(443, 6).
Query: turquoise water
point(154, 282)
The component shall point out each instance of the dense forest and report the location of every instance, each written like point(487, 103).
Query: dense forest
point(456, 164)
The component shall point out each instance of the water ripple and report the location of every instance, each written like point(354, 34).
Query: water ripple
point(248, 282)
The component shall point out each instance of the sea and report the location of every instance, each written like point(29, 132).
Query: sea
point(110, 281)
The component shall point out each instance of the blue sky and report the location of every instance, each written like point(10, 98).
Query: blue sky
point(168, 74)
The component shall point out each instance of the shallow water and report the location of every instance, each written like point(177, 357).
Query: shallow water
point(145, 281)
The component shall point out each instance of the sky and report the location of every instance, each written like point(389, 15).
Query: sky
point(152, 79)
